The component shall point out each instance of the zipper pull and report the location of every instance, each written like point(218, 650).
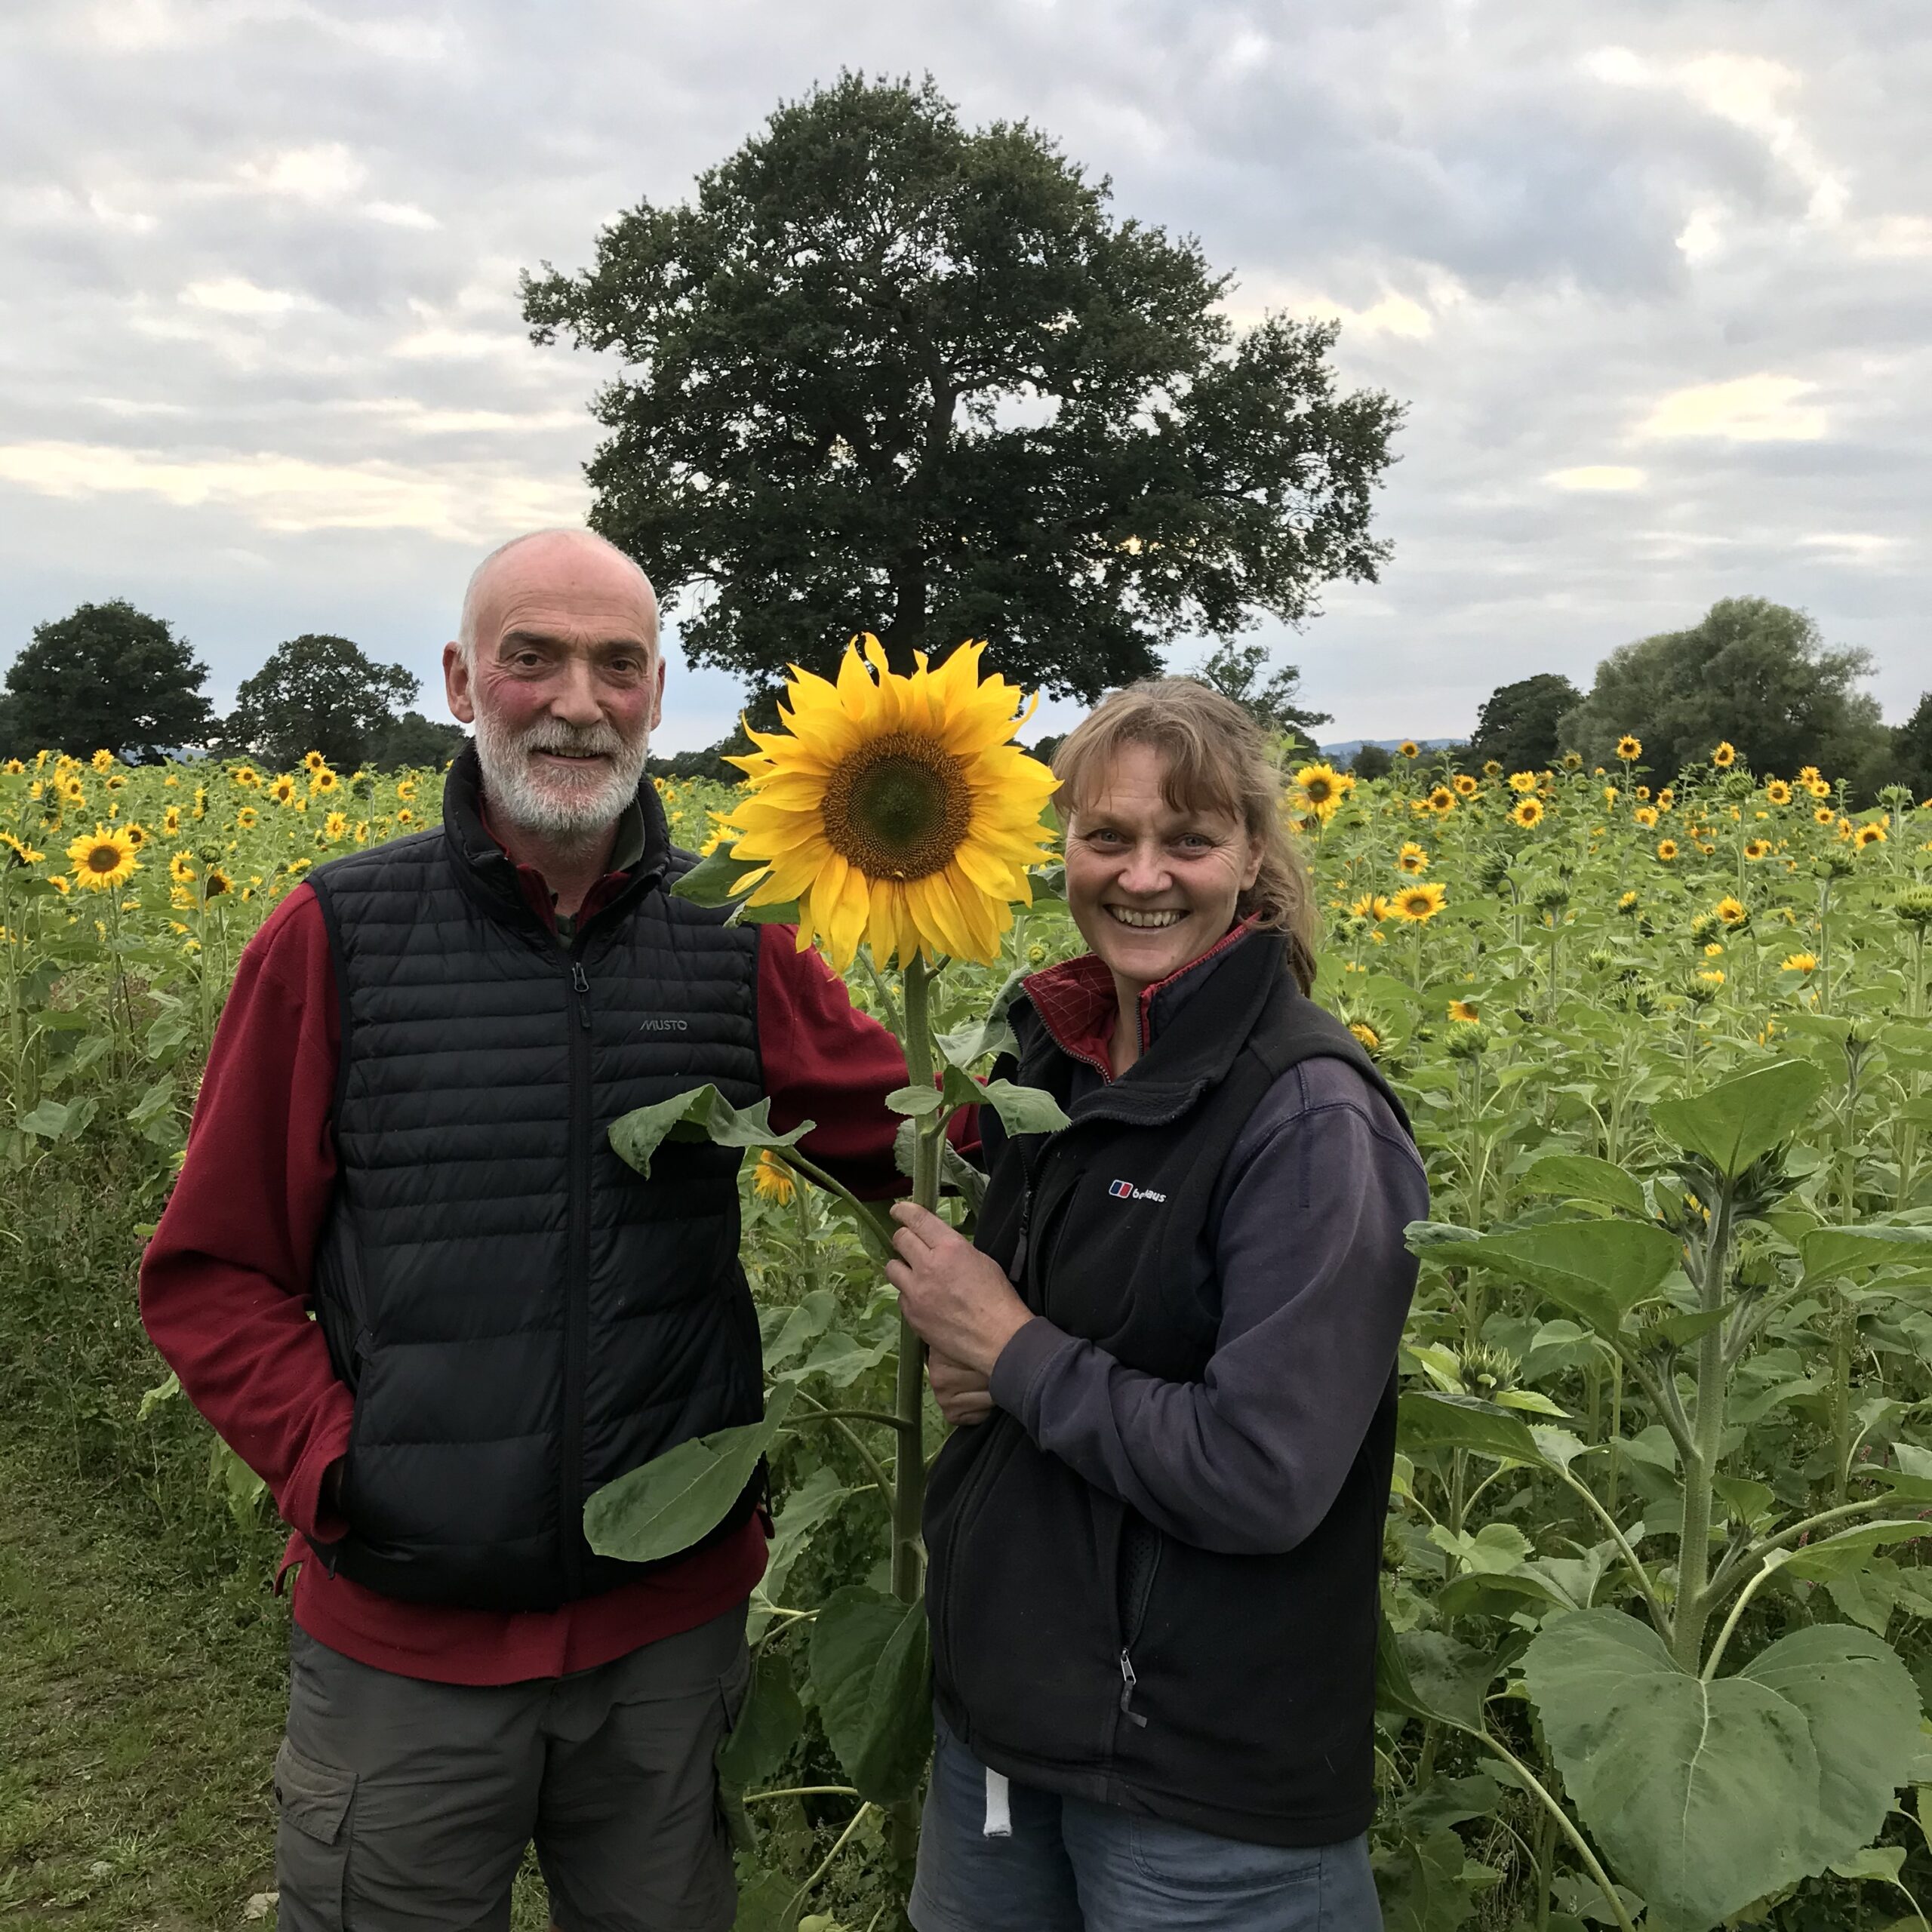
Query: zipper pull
point(580, 986)
point(1128, 1683)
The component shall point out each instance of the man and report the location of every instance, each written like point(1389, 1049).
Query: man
point(403, 1127)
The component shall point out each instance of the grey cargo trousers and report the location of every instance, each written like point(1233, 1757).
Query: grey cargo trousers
point(406, 1806)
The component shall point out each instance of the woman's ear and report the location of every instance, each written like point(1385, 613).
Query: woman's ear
point(1252, 870)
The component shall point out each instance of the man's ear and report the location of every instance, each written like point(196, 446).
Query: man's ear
point(457, 684)
point(657, 696)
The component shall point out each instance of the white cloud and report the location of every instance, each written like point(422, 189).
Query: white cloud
point(1751, 409)
point(324, 172)
point(1855, 547)
point(1748, 92)
point(235, 295)
point(1597, 476)
point(439, 344)
point(412, 418)
point(466, 504)
point(1894, 237)
point(400, 214)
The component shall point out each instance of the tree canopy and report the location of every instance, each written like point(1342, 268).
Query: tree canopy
point(413, 741)
point(1519, 724)
point(1911, 760)
point(107, 676)
point(318, 693)
point(1233, 669)
point(1750, 672)
point(888, 372)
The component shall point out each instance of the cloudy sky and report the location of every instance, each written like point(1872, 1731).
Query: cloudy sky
point(1653, 276)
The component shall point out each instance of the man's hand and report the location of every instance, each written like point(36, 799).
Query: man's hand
point(961, 1391)
point(958, 1299)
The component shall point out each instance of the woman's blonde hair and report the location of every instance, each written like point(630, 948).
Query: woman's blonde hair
point(1217, 761)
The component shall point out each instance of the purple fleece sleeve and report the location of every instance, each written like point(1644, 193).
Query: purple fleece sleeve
point(1316, 1285)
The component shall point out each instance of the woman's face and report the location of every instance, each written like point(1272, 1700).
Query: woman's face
point(1150, 887)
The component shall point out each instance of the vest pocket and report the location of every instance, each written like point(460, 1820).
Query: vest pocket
point(312, 1840)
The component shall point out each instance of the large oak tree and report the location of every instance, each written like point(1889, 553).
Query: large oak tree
point(320, 692)
point(106, 677)
point(885, 372)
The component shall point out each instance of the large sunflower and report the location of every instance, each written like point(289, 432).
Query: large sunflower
point(895, 809)
point(104, 859)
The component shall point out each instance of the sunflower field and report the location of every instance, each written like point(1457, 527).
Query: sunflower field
point(1658, 1614)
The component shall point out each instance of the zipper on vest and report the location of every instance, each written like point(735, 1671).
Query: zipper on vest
point(1128, 1685)
point(577, 1288)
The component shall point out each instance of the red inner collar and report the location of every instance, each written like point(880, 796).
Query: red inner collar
point(1077, 1004)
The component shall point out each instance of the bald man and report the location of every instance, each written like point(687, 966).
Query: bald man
point(403, 1131)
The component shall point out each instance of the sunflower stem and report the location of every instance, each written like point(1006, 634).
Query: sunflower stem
point(909, 1461)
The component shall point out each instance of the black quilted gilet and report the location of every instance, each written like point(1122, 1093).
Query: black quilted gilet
point(523, 1318)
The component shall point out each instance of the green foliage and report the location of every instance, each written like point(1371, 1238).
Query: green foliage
point(1750, 673)
point(1232, 668)
point(1707, 1794)
point(670, 1503)
point(321, 694)
point(1666, 1371)
point(1910, 761)
point(107, 675)
point(412, 740)
point(1742, 1120)
point(1520, 725)
point(886, 372)
point(871, 1657)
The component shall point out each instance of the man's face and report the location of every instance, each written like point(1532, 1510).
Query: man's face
point(565, 686)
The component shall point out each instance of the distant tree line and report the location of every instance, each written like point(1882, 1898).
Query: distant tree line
point(1752, 672)
point(109, 675)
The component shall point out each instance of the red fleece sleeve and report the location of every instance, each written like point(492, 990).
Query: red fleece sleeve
point(225, 1281)
point(826, 1061)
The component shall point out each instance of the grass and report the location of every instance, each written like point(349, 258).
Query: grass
point(139, 1716)
point(140, 1710)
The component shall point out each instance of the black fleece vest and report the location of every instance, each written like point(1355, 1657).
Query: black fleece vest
point(1075, 1647)
point(523, 1318)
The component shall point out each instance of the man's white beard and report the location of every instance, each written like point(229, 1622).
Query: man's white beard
point(552, 799)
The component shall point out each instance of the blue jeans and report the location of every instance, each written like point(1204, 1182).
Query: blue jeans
point(1068, 1865)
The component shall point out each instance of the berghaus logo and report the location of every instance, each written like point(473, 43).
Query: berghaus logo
point(1125, 1190)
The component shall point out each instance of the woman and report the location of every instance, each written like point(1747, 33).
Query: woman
point(1154, 1554)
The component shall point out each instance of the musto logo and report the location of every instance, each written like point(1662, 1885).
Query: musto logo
point(663, 1026)
point(1125, 1190)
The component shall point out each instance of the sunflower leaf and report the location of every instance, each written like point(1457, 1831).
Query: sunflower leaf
point(703, 1114)
point(1733, 1124)
point(667, 1504)
point(1024, 1110)
point(717, 879)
